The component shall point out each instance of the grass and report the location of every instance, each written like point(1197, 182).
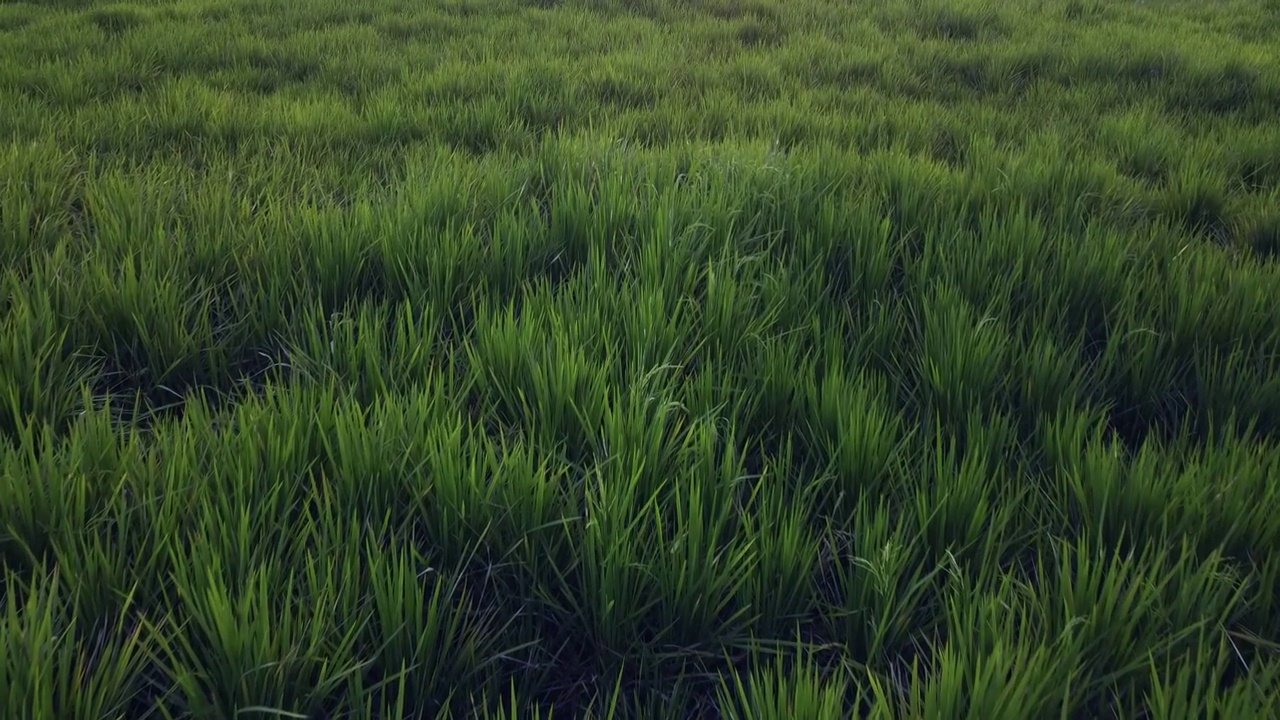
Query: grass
point(658, 358)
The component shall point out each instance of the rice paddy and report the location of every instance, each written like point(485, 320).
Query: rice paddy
point(735, 359)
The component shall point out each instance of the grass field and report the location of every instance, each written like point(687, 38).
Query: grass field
point(739, 359)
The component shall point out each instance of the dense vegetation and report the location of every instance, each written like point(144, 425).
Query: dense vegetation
point(648, 358)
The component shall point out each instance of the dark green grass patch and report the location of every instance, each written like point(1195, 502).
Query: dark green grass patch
point(118, 19)
point(493, 358)
point(1261, 233)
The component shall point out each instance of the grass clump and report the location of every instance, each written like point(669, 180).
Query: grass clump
point(117, 19)
point(676, 359)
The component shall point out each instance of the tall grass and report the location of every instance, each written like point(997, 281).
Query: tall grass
point(676, 358)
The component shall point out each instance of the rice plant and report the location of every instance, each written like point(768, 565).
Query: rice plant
point(615, 359)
